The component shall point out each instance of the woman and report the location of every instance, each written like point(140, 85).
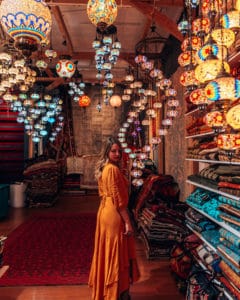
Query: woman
point(114, 264)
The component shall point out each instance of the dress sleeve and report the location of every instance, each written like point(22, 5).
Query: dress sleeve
point(117, 186)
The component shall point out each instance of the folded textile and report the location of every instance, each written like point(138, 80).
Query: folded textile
point(230, 220)
point(233, 290)
point(229, 236)
point(233, 257)
point(229, 185)
point(230, 274)
point(230, 210)
point(233, 202)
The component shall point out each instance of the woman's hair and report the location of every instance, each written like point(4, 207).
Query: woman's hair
point(104, 155)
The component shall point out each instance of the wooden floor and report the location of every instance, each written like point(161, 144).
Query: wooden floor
point(156, 282)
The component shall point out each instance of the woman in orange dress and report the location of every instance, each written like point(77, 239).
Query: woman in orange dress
point(114, 266)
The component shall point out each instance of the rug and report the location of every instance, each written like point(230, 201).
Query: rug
point(53, 249)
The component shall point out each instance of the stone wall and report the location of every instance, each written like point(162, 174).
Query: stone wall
point(92, 127)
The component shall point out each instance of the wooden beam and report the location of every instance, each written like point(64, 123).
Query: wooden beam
point(62, 27)
point(159, 3)
point(160, 19)
point(58, 81)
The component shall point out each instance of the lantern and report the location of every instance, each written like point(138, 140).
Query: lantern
point(65, 68)
point(28, 22)
point(84, 101)
point(115, 101)
point(102, 13)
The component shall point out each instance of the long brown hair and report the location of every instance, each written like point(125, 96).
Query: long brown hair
point(104, 155)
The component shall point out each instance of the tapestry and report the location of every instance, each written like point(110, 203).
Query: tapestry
point(50, 249)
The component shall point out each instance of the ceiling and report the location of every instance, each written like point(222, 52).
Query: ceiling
point(73, 33)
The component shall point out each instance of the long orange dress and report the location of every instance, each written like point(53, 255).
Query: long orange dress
point(114, 264)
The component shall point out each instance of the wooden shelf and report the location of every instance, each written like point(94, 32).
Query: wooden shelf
point(215, 161)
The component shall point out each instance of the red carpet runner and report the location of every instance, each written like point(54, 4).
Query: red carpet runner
point(51, 249)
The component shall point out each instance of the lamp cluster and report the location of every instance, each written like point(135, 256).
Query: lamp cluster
point(207, 74)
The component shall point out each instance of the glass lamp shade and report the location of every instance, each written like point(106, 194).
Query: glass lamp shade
point(211, 49)
point(137, 182)
point(223, 36)
point(50, 54)
point(28, 19)
point(115, 101)
point(214, 119)
point(223, 88)
point(229, 142)
point(84, 101)
point(209, 7)
point(209, 69)
point(233, 117)
point(165, 83)
point(186, 58)
point(184, 27)
point(198, 97)
point(65, 68)
point(193, 43)
point(189, 80)
point(231, 20)
point(139, 59)
point(201, 26)
point(136, 173)
point(102, 13)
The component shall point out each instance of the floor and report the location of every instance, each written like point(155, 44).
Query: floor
point(156, 282)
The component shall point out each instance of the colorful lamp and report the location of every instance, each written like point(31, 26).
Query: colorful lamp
point(115, 101)
point(65, 68)
point(223, 88)
point(84, 101)
point(28, 22)
point(229, 141)
point(102, 13)
point(199, 98)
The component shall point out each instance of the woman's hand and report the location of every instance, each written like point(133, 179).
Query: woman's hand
point(128, 229)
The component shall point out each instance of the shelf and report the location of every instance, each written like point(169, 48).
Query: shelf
point(202, 238)
point(191, 111)
point(213, 190)
point(200, 135)
point(222, 224)
point(215, 161)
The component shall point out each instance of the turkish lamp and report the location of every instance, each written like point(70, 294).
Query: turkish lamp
point(137, 182)
point(223, 36)
point(102, 13)
point(50, 54)
point(162, 131)
point(115, 101)
point(140, 59)
point(229, 142)
point(165, 83)
point(231, 20)
point(215, 119)
point(157, 105)
point(27, 22)
point(184, 27)
point(126, 98)
point(173, 103)
point(223, 88)
point(210, 69)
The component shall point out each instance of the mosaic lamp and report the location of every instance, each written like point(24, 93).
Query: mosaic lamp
point(28, 22)
point(65, 68)
point(102, 13)
point(84, 101)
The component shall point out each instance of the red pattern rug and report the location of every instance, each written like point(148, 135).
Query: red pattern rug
point(51, 249)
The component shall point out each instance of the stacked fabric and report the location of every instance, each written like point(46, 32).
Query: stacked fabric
point(229, 249)
point(160, 229)
point(225, 178)
point(42, 181)
point(198, 127)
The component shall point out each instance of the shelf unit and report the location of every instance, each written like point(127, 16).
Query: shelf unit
point(197, 165)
